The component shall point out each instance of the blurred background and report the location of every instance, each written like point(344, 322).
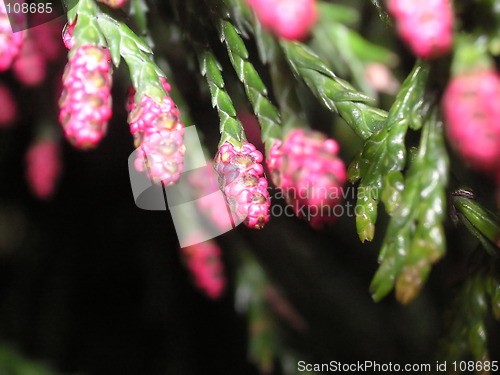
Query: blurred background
point(91, 284)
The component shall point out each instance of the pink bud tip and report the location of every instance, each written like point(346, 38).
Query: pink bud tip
point(204, 262)
point(43, 167)
point(114, 3)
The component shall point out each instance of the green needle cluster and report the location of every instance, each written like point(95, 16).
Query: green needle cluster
point(255, 89)
point(415, 237)
point(383, 156)
point(231, 128)
point(333, 92)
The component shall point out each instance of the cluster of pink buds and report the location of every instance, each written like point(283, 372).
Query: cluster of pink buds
point(85, 101)
point(204, 262)
point(425, 25)
point(242, 181)
point(305, 166)
point(472, 115)
point(43, 167)
point(10, 42)
point(289, 19)
point(158, 136)
point(114, 3)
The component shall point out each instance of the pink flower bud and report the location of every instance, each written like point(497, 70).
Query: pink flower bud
point(114, 3)
point(67, 36)
point(243, 183)
point(159, 137)
point(85, 101)
point(425, 25)
point(30, 65)
point(289, 19)
point(305, 166)
point(472, 114)
point(204, 262)
point(43, 167)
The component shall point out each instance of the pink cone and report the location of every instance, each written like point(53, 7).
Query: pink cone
point(43, 167)
point(305, 166)
point(8, 107)
point(114, 3)
point(159, 137)
point(289, 19)
point(425, 25)
point(85, 101)
point(243, 183)
point(204, 262)
point(472, 114)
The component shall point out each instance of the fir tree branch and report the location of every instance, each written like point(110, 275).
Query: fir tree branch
point(334, 93)
point(125, 43)
point(230, 126)
point(383, 156)
point(267, 114)
point(283, 81)
point(87, 29)
point(415, 237)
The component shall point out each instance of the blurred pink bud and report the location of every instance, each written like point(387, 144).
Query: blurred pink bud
point(472, 114)
point(30, 66)
point(425, 25)
point(43, 167)
point(289, 19)
point(204, 262)
point(8, 107)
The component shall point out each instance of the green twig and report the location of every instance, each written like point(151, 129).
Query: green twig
point(230, 127)
point(267, 114)
point(334, 93)
point(383, 156)
point(415, 237)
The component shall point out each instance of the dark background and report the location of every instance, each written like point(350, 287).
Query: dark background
point(91, 284)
